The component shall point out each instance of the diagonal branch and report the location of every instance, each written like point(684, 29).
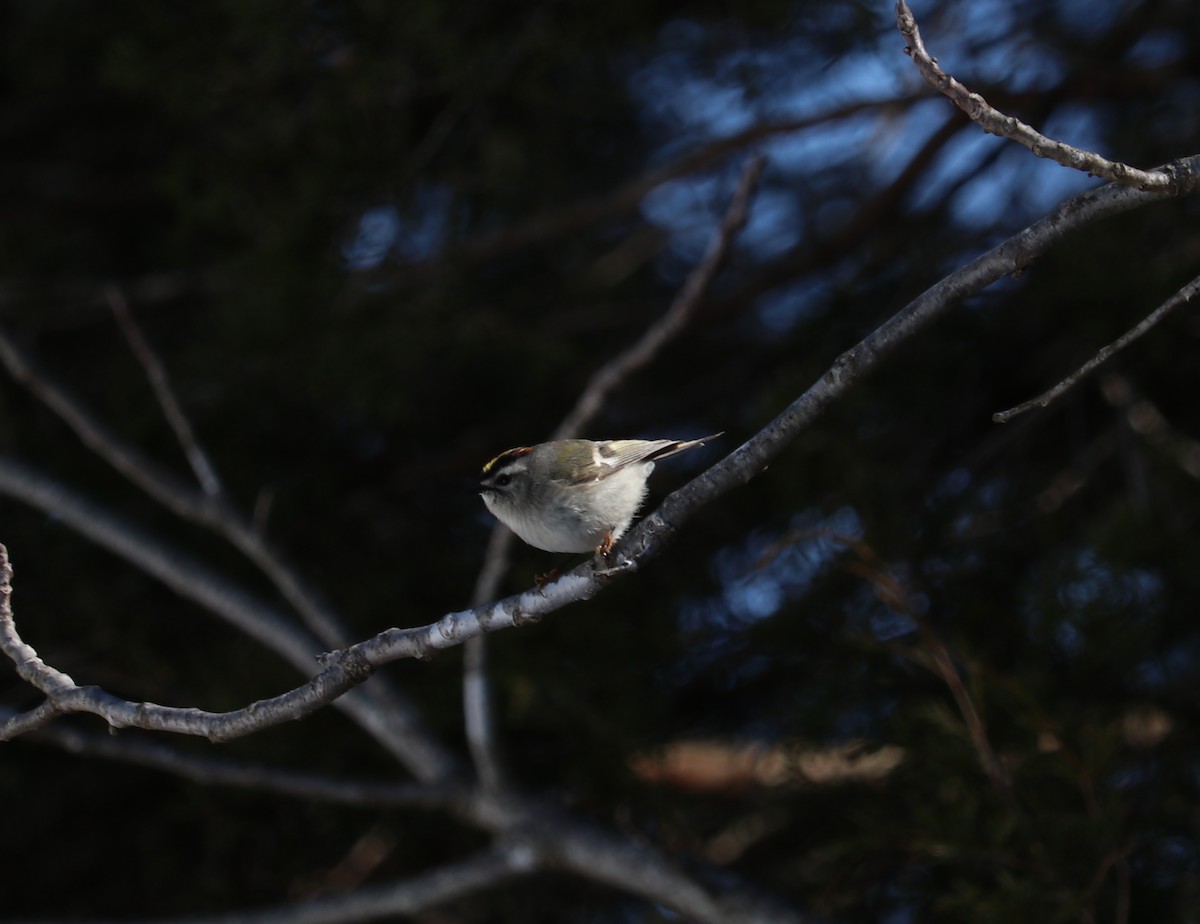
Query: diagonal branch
point(160, 383)
point(651, 343)
point(995, 122)
point(402, 734)
point(176, 496)
point(181, 499)
point(1184, 295)
point(205, 769)
point(1011, 256)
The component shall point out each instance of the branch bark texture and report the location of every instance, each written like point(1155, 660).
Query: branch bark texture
point(992, 120)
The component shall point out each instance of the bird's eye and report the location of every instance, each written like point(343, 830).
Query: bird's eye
point(503, 481)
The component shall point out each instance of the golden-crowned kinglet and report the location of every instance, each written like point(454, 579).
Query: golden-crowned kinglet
point(573, 495)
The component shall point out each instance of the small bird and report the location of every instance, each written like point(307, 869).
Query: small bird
point(574, 495)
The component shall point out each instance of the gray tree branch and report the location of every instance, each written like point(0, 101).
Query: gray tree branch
point(403, 736)
point(1182, 297)
point(392, 717)
point(610, 376)
point(160, 384)
point(205, 769)
point(995, 122)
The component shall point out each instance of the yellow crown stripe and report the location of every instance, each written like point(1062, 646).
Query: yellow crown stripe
point(507, 454)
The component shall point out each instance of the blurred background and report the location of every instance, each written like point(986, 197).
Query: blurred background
point(374, 244)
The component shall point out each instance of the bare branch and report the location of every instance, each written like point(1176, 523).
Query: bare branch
point(220, 771)
point(939, 660)
point(401, 732)
point(1181, 297)
point(479, 714)
point(96, 436)
point(63, 695)
point(156, 373)
point(162, 486)
point(1011, 256)
point(995, 122)
point(82, 302)
point(935, 656)
point(343, 670)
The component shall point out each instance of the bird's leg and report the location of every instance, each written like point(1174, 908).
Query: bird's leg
point(541, 580)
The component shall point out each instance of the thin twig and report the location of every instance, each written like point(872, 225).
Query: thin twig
point(612, 374)
point(936, 656)
point(97, 436)
point(205, 769)
point(160, 384)
point(940, 661)
point(1181, 297)
point(175, 495)
point(995, 122)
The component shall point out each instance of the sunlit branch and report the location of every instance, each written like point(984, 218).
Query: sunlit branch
point(342, 670)
point(1184, 295)
point(567, 844)
point(995, 122)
